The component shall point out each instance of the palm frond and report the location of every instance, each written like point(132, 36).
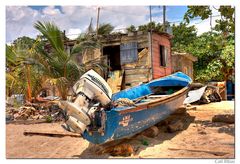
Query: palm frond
point(11, 56)
point(52, 33)
point(105, 29)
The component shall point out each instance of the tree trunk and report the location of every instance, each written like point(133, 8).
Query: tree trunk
point(29, 90)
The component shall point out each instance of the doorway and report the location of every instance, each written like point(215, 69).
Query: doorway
point(113, 56)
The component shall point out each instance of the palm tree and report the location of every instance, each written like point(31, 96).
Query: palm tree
point(57, 65)
point(21, 72)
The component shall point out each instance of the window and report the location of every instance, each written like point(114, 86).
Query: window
point(163, 55)
point(128, 52)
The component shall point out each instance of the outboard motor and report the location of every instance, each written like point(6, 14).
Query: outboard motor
point(93, 93)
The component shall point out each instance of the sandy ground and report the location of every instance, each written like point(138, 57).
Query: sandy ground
point(199, 138)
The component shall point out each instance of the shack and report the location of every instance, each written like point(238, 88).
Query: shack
point(183, 62)
point(133, 58)
point(130, 58)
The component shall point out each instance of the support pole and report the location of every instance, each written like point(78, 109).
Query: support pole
point(98, 12)
point(164, 18)
point(150, 44)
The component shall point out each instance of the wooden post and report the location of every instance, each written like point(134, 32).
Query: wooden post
point(150, 44)
point(98, 11)
point(164, 18)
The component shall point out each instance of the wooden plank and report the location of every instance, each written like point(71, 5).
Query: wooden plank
point(51, 133)
point(140, 78)
point(136, 78)
point(136, 71)
point(135, 82)
point(115, 82)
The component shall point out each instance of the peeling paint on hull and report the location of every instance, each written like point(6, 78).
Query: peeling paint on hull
point(140, 120)
point(127, 121)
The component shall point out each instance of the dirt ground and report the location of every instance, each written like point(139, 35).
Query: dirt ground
point(199, 139)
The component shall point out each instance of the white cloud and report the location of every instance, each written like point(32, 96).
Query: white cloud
point(124, 15)
point(19, 22)
point(20, 19)
point(73, 33)
point(75, 19)
point(51, 11)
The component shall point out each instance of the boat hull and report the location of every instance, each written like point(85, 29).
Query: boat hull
point(128, 122)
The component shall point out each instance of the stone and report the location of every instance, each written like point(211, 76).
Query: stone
point(122, 150)
point(151, 132)
point(180, 110)
point(117, 150)
point(175, 126)
point(226, 118)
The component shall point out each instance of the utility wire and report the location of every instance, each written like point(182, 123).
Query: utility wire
point(119, 12)
point(118, 29)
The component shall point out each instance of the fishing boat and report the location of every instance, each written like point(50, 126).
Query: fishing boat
point(100, 116)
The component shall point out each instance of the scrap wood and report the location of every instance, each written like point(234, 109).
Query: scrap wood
point(30, 113)
point(51, 133)
point(142, 53)
point(217, 153)
point(115, 82)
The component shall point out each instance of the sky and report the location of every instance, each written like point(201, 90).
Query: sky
point(76, 19)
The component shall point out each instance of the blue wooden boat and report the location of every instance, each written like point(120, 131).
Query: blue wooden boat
point(152, 103)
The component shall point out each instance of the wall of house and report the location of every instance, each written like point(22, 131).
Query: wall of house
point(183, 64)
point(135, 72)
point(160, 71)
point(139, 71)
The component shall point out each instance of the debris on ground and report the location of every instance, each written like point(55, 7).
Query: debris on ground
point(226, 118)
point(211, 94)
point(34, 112)
point(201, 94)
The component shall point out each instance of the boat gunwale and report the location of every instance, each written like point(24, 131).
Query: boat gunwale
point(147, 105)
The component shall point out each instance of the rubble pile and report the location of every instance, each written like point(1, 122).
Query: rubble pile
point(200, 94)
point(50, 114)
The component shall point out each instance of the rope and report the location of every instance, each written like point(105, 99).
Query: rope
point(124, 102)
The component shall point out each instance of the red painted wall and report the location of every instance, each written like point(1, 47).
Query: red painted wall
point(160, 71)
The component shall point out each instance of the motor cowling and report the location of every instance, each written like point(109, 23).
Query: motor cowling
point(92, 92)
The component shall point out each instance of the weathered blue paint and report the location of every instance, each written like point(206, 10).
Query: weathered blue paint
point(127, 121)
point(176, 79)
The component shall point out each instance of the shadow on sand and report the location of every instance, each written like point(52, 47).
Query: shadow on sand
point(138, 142)
point(222, 127)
